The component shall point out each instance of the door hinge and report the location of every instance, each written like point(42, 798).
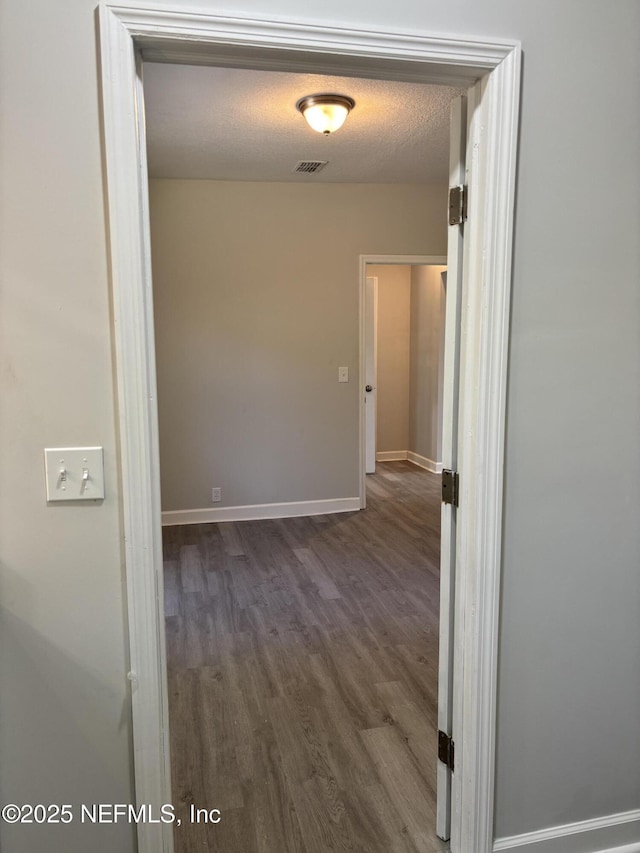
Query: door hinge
point(450, 487)
point(446, 748)
point(457, 205)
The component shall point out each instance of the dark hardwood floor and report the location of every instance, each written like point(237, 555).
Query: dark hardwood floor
point(302, 657)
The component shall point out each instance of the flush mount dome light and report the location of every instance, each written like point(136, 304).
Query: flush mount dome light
point(325, 113)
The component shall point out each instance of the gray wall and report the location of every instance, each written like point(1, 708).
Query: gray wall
point(64, 697)
point(570, 640)
point(426, 374)
point(253, 320)
point(392, 380)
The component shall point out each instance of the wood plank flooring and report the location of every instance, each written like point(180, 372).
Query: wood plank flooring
point(302, 657)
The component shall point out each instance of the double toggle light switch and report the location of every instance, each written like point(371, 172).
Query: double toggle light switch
point(74, 473)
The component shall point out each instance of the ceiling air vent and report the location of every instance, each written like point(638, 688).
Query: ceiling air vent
point(310, 166)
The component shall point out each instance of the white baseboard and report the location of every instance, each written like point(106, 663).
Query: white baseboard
point(402, 455)
point(391, 455)
point(423, 462)
point(617, 833)
point(256, 511)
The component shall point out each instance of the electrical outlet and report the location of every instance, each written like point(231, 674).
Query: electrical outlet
point(216, 494)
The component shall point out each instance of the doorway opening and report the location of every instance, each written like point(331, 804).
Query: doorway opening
point(403, 301)
point(289, 624)
point(492, 68)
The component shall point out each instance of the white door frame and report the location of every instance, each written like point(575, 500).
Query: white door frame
point(369, 370)
point(382, 260)
point(180, 36)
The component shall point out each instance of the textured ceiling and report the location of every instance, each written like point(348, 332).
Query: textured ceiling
point(239, 125)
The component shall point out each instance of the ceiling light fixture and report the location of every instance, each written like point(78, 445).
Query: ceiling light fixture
point(325, 113)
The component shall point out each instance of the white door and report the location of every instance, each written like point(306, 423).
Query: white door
point(457, 177)
point(370, 366)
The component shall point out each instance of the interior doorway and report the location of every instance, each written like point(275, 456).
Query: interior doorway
point(403, 302)
point(315, 634)
point(125, 35)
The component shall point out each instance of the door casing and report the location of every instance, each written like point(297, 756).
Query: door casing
point(369, 367)
point(179, 36)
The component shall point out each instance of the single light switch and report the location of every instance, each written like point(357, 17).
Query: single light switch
point(343, 374)
point(74, 473)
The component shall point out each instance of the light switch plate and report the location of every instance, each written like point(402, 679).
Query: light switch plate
point(74, 473)
point(343, 374)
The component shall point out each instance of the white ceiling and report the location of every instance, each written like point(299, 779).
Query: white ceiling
point(239, 125)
